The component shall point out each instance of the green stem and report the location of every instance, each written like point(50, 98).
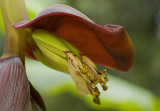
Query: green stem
point(14, 11)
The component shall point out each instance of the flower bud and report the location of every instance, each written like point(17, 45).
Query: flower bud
point(15, 94)
point(14, 85)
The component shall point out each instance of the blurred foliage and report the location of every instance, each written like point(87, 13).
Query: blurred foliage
point(141, 18)
point(2, 28)
point(72, 102)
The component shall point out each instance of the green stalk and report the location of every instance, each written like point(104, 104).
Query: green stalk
point(14, 11)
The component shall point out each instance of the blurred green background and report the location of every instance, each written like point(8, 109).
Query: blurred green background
point(135, 90)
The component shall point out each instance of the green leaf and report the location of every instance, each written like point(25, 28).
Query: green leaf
point(2, 26)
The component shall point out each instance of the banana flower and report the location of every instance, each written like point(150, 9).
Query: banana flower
point(63, 39)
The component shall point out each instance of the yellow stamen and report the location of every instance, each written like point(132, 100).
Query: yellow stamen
point(85, 69)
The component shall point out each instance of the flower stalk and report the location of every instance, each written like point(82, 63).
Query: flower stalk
point(15, 42)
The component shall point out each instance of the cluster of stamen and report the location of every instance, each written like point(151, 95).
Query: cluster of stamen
point(86, 75)
point(92, 80)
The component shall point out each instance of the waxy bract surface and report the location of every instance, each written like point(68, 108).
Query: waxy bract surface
point(109, 45)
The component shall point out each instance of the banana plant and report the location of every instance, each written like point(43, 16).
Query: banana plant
point(63, 39)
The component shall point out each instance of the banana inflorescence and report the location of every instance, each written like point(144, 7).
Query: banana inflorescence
point(59, 54)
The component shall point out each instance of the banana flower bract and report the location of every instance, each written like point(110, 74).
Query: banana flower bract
point(63, 39)
point(109, 45)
